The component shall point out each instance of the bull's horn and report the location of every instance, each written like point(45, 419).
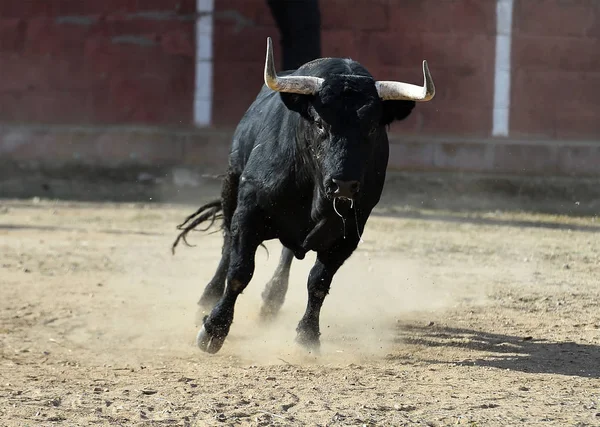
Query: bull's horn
point(304, 85)
point(405, 91)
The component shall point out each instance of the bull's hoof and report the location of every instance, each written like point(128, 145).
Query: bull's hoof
point(309, 341)
point(209, 343)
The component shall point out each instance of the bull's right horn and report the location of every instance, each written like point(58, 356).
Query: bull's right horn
point(304, 85)
point(399, 91)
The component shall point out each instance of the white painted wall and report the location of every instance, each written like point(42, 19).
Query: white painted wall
point(502, 75)
point(204, 63)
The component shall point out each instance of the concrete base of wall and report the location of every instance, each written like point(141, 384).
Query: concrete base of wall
point(51, 147)
point(405, 193)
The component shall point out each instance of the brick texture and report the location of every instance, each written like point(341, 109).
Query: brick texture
point(390, 38)
point(555, 71)
point(132, 62)
point(444, 16)
point(556, 18)
point(97, 62)
point(355, 15)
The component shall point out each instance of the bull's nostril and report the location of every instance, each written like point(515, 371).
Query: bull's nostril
point(345, 189)
point(331, 187)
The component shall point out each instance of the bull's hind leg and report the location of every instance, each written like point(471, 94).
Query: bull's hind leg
point(274, 294)
point(247, 233)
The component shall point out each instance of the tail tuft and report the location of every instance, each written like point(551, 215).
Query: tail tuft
point(208, 211)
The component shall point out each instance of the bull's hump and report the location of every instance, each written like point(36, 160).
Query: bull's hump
point(317, 61)
point(325, 67)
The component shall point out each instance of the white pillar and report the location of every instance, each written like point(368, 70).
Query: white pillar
point(502, 75)
point(204, 63)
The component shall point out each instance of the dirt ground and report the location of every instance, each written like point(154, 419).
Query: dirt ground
point(477, 317)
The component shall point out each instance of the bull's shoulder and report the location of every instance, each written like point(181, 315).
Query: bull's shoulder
point(261, 117)
point(264, 134)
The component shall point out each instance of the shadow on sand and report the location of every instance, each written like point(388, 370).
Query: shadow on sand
point(516, 353)
point(479, 220)
point(19, 227)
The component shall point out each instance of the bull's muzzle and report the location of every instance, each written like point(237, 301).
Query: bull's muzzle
point(343, 189)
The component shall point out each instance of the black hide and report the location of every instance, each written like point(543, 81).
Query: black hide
point(286, 151)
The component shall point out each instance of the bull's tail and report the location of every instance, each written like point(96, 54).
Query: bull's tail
point(211, 211)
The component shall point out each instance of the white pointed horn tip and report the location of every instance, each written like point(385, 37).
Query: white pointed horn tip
point(400, 91)
point(304, 85)
point(270, 76)
point(429, 86)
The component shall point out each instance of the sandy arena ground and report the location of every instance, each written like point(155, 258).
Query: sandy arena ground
point(481, 318)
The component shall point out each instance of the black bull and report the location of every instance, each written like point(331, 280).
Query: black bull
point(307, 165)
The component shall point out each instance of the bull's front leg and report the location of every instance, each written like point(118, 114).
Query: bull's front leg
point(319, 282)
point(246, 235)
point(214, 290)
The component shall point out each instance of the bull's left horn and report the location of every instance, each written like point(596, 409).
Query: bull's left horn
point(304, 85)
point(398, 91)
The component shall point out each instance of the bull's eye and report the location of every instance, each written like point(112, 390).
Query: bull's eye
point(320, 127)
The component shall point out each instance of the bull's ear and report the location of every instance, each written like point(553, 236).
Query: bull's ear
point(298, 103)
point(396, 110)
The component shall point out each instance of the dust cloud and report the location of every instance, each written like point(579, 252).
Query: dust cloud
point(372, 291)
point(369, 294)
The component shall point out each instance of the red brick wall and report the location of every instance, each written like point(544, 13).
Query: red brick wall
point(391, 38)
point(96, 61)
point(555, 88)
point(556, 69)
point(132, 61)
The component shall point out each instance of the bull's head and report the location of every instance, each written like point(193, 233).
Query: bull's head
point(347, 111)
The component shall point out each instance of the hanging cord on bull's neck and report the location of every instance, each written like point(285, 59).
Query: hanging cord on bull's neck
point(340, 215)
point(360, 240)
